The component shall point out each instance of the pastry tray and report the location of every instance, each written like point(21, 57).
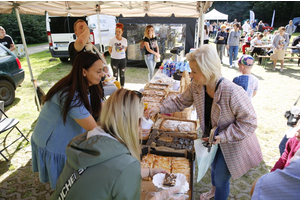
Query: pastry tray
point(148, 186)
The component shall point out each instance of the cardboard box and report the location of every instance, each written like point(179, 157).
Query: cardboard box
point(147, 186)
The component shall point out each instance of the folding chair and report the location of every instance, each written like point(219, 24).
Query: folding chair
point(8, 124)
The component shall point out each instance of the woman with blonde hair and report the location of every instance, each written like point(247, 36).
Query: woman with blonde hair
point(105, 162)
point(152, 50)
point(219, 103)
point(280, 43)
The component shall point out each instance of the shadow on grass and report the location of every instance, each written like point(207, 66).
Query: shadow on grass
point(5, 166)
point(15, 102)
point(54, 73)
point(23, 183)
point(291, 70)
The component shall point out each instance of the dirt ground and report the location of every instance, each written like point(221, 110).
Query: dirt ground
point(277, 93)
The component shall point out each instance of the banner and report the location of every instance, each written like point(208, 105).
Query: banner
point(252, 17)
point(273, 18)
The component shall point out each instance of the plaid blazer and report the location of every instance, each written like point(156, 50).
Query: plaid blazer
point(233, 112)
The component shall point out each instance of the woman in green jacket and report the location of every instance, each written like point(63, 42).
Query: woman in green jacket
point(105, 163)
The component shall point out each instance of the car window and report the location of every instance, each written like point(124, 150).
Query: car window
point(3, 52)
point(63, 24)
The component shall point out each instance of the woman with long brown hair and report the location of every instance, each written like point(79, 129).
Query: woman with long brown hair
point(70, 108)
point(152, 50)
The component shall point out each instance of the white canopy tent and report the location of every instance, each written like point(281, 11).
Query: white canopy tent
point(215, 15)
point(126, 8)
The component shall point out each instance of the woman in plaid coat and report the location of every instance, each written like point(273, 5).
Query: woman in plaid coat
point(226, 106)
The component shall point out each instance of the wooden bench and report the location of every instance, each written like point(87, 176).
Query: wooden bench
point(265, 58)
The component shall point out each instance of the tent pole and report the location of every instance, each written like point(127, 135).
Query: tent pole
point(26, 51)
point(202, 24)
point(99, 29)
point(198, 33)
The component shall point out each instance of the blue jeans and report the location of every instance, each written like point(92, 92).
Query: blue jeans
point(233, 49)
point(220, 176)
point(283, 144)
point(149, 59)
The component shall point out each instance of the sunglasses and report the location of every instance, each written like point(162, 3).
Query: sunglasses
point(140, 95)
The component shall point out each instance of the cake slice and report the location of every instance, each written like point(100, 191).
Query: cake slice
point(170, 180)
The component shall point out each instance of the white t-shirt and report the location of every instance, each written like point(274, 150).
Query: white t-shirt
point(118, 48)
point(246, 27)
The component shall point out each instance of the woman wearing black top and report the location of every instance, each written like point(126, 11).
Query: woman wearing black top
point(152, 50)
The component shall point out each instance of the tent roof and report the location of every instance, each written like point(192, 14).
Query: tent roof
point(126, 8)
point(215, 15)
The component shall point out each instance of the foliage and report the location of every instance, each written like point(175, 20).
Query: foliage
point(284, 10)
point(34, 27)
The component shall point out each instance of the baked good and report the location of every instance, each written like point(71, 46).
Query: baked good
point(154, 92)
point(170, 164)
point(148, 98)
point(157, 86)
point(177, 126)
point(170, 179)
point(166, 139)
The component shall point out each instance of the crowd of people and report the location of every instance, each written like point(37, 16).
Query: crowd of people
point(83, 142)
point(249, 37)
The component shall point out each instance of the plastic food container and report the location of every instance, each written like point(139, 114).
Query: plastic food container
point(146, 123)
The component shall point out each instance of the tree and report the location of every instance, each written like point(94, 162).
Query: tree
point(34, 27)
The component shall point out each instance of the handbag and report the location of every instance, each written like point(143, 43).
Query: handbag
point(216, 40)
point(156, 59)
point(274, 57)
point(293, 115)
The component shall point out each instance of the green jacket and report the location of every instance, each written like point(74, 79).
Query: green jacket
point(111, 172)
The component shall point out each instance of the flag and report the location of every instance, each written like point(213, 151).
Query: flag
point(252, 16)
point(273, 18)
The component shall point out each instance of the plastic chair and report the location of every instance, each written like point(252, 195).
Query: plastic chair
point(8, 124)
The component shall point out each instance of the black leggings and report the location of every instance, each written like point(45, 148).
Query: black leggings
point(118, 66)
point(258, 51)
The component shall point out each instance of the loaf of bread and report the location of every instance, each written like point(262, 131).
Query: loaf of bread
point(177, 126)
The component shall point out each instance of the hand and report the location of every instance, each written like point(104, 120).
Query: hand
point(151, 111)
point(154, 171)
point(157, 55)
point(104, 83)
point(205, 139)
point(217, 140)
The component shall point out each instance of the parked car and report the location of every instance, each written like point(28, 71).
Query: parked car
point(267, 27)
point(11, 75)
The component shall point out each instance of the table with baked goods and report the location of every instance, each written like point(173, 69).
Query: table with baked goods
point(169, 144)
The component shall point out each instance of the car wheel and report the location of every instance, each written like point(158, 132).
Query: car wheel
point(64, 59)
point(7, 92)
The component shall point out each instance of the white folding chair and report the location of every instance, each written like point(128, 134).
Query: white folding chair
point(5, 125)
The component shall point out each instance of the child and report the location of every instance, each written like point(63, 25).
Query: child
point(247, 80)
point(291, 148)
point(109, 78)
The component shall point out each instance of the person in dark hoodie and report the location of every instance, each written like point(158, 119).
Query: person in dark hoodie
point(221, 38)
point(104, 163)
